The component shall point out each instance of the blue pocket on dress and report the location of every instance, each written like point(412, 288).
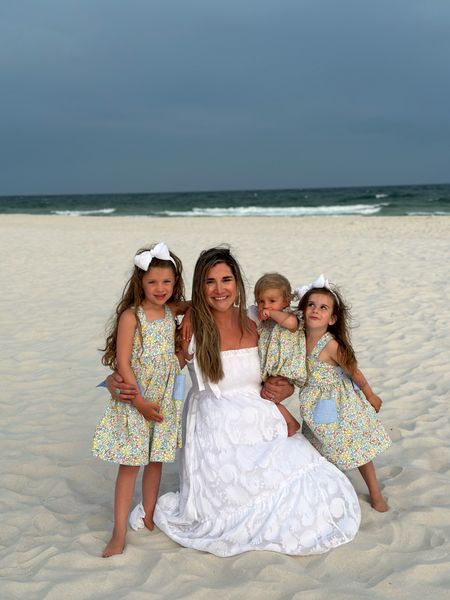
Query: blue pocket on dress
point(179, 386)
point(325, 412)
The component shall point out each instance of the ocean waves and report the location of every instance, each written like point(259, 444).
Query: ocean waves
point(276, 211)
point(382, 201)
point(84, 213)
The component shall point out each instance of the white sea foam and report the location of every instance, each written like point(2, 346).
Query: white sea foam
point(82, 213)
point(277, 211)
point(378, 196)
point(418, 213)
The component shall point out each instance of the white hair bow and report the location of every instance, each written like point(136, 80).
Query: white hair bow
point(160, 251)
point(320, 282)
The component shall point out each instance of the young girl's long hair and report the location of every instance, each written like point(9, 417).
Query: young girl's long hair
point(341, 328)
point(133, 296)
point(206, 334)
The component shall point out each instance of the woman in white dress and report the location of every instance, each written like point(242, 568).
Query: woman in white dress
point(245, 485)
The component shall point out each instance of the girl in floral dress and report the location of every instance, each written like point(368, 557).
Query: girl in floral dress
point(141, 346)
point(281, 343)
point(337, 419)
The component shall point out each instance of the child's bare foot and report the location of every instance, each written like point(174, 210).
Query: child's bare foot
point(115, 545)
point(379, 503)
point(292, 427)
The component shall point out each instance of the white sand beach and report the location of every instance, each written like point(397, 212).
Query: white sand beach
point(61, 278)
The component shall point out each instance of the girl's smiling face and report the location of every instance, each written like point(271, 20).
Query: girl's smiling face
point(158, 284)
point(318, 311)
point(220, 288)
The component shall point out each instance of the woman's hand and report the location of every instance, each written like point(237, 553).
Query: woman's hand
point(185, 343)
point(277, 389)
point(119, 390)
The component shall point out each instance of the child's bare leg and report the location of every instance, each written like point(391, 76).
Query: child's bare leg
point(376, 498)
point(292, 424)
point(125, 482)
point(150, 488)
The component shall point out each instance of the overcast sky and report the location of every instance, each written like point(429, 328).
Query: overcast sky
point(170, 95)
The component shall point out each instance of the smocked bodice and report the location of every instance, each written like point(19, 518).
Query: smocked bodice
point(241, 368)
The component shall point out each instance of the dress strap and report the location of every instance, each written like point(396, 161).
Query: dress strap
point(140, 314)
point(198, 373)
point(327, 337)
point(168, 313)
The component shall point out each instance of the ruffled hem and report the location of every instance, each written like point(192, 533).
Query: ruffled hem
point(364, 458)
point(283, 521)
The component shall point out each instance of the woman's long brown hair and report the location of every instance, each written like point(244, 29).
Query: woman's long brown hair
point(205, 330)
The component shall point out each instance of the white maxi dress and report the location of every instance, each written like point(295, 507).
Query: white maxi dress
point(244, 485)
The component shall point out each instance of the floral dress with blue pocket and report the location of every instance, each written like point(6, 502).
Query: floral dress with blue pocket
point(337, 418)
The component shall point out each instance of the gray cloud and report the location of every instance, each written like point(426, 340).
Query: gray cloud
point(173, 95)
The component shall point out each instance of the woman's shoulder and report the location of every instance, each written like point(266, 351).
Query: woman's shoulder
point(252, 326)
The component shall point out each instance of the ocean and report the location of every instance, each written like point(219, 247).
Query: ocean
point(382, 201)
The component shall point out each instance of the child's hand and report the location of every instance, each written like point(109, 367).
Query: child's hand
point(375, 401)
point(263, 314)
point(185, 326)
point(150, 410)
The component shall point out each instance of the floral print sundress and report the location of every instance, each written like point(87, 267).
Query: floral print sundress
point(282, 352)
point(337, 418)
point(124, 436)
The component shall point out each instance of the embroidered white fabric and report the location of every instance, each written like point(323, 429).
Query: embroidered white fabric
point(244, 484)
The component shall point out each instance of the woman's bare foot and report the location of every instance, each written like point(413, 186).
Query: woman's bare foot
point(379, 503)
point(115, 545)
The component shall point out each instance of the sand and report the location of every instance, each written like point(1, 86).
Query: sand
point(60, 279)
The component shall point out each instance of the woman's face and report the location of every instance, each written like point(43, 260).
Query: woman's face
point(220, 288)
